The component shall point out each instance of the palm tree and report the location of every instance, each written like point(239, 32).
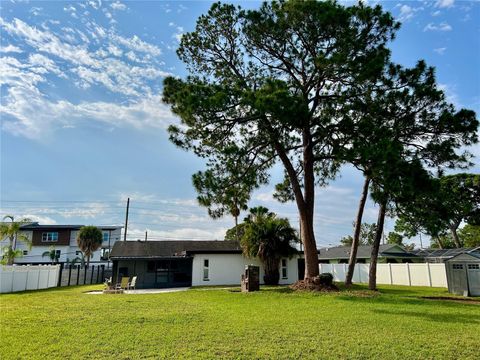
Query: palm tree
point(269, 238)
point(89, 240)
point(11, 231)
point(52, 254)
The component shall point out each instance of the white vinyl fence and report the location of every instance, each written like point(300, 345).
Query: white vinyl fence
point(28, 277)
point(414, 274)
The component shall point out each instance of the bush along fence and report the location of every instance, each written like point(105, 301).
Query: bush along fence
point(418, 274)
point(28, 277)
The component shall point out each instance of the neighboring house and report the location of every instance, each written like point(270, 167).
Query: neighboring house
point(160, 264)
point(64, 239)
point(389, 253)
point(441, 255)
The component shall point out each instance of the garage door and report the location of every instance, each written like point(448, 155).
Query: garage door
point(473, 271)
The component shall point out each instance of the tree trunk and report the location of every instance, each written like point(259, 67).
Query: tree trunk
point(10, 255)
point(236, 228)
point(356, 234)
point(272, 272)
point(308, 235)
point(439, 242)
point(305, 201)
point(457, 241)
point(310, 247)
point(88, 261)
point(372, 281)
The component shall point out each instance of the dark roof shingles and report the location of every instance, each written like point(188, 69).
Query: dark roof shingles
point(154, 249)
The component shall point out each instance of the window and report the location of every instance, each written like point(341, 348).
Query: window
point(49, 236)
point(78, 253)
point(104, 254)
point(106, 236)
point(57, 254)
point(473, 266)
point(457, 267)
point(284, 269)
point(25, 252)
point(205, 269)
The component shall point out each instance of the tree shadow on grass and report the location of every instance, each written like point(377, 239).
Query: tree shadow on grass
point(442, 318)
point(400, 300)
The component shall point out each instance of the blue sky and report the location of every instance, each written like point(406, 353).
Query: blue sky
point(83, 125)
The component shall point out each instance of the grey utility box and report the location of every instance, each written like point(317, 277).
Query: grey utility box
point(463, 274)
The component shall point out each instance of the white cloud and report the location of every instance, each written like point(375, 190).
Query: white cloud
point(136, 44)
point(444, 3)
point(451, 94)
point(436, 13)
point(407, 12)
point(29, 112)
point(117, 5)
point(440, 51)
point(10, 49)
point(440, 27)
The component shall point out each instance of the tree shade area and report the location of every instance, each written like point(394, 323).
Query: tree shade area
point(310, 86)
point(269, 324)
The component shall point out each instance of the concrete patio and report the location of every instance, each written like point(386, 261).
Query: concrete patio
point(142, 291)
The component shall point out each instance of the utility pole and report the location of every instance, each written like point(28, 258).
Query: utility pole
point(146, 235)
point(126, 221)
point(421, 245)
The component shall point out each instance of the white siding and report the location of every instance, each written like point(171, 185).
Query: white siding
point(227, 269)
point(66, 251)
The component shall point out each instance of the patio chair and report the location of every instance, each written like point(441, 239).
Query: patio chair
point(132, 284)
point(108, 283)
point(123, 283)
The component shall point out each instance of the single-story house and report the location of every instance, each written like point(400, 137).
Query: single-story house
point(388, 253)
point(160, 264)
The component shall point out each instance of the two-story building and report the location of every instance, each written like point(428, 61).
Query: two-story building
point(62, 238)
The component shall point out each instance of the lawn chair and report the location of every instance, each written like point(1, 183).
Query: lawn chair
point(108, 283)
point(132, 284)
point(123, 283)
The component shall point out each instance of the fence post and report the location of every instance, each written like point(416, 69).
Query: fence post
point(408, 273)
point(38, 279)
point(48, 276)
point(98, 273)
point(390, 273)
point(85, 275)
point(26, 279)
point(91, 275)
point(103, 272)
point(78, 273)
point(59, 282)
point(429, 275)
point(69, 274)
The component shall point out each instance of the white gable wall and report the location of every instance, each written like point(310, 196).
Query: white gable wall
point(226, 269)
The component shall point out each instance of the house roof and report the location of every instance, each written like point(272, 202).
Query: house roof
point(364, 252)
point(37, 226)
point(444, 253)
point(465, 256)
point(160, 249)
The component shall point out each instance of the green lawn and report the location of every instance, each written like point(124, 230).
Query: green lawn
point(217, 323)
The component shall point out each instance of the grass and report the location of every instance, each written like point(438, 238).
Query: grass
point(274, 323)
